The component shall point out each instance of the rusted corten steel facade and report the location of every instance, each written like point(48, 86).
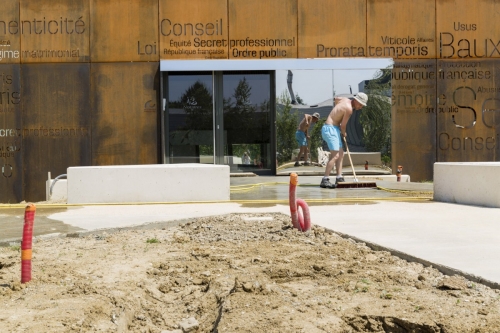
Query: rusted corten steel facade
point(80, 79)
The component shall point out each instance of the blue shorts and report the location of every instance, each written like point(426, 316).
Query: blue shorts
point(301, 138)
point(331, 134)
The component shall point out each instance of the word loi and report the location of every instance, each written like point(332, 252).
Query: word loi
point(146, 49)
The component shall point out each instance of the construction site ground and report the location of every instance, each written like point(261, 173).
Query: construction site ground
point(376, 260)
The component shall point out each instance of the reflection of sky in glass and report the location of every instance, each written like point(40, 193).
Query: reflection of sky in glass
point(316, 86)
point(178, 84)
point(258, 82)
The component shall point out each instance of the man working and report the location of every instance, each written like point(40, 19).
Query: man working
point(302, 136)
point(334, 130)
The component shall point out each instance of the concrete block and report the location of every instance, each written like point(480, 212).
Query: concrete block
point(148, 183)
point(59, 190)
point(469, 183)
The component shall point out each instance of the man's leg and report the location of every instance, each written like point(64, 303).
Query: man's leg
point(338, 165)
point(338, 162)
point(325, 182)
point(302, 151)
point(334, 156)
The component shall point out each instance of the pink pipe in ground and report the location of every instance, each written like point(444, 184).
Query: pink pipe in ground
point(27, 243)
point(301, 219)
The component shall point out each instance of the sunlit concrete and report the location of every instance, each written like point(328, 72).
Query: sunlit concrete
point(56, 190)
point(469, 183)
point(148, 183)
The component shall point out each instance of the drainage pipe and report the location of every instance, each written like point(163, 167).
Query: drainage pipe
point(301, 219)
point(54, 182)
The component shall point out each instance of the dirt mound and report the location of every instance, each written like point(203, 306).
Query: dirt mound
point(235, 273)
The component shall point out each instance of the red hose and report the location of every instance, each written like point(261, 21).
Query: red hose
point(301, 219)
point(27, 243)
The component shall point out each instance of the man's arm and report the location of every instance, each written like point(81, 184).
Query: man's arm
point(307, 118)
point(345, 119)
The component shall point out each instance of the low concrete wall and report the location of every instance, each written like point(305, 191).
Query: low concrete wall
point(469, 183)
point(373, 158)
point(148, 183)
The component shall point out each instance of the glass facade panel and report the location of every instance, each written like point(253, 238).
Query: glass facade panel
point(247, 121)
point(190, 118)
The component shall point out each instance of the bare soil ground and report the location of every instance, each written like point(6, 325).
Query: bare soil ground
point(235, 273)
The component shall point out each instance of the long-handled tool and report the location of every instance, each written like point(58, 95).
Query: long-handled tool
point(356, 183)
point(350, 160)
point(308, 154)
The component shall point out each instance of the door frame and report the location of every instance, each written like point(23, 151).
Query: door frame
point(218, 117)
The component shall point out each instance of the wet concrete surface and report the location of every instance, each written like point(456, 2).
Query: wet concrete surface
point(12, 223)
point(277, 188)
point(257, 192)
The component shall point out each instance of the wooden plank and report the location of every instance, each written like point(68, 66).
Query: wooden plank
point(55, 31)
point(11, 162)
point(468, 120)
point(331, 29)
point(125, 113)
point(414, 117)
point(56, 122)
point(195, 29)
point(124, 30)
point(262, 29)
point(10, 36)
point(401, 29)
point(468, 29)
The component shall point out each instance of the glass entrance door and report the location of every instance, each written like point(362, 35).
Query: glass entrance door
point(247, 121)
point(190, 118)
point(222, 118)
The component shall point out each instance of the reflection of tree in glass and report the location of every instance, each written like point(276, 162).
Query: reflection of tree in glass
point(242, 95)
point(299, 99)
point(247, 124)
point(239, 115)
point(286, 126)
point(197, 103)
point(376, 116)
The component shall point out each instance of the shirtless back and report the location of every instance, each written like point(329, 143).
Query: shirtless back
point(340, 113)
point(305, 123)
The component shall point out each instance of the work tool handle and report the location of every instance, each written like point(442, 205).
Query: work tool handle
point(350, 160)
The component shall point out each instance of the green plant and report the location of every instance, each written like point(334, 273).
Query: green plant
point(152, 241)
point(386, 160)
point(15, 248)
point(385, 295)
